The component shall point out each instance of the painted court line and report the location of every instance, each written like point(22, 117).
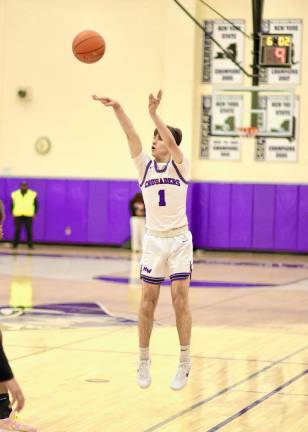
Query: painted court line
point(128, 258)
point(252, 263)
point(221, 392)
point(53, 348)
point(59, 255)
point(280, 394)
point(193, 283)
point(256, 402)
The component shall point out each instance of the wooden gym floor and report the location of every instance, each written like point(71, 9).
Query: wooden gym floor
point(69, 322)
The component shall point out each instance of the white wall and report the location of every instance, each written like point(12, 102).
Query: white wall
point(248, 170)
point(149, 46)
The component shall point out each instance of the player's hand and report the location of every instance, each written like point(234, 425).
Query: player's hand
point(17, 397)
point(106, 101)
point(154, 102)
point(1, 232)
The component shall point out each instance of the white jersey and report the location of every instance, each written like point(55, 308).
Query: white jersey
point(164, 190)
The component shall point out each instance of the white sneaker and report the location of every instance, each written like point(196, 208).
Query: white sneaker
point(143, 373)
point(181, 377)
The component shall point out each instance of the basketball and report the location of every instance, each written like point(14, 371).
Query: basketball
point(88, 46)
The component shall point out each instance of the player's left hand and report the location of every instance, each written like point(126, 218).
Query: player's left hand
point(18, 399)
point(154, 102)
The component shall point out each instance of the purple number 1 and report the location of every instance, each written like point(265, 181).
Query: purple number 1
point(162, 201)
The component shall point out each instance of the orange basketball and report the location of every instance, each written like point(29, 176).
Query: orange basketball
point(88, 46)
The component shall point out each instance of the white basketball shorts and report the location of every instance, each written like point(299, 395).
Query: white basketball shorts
point(166, 256)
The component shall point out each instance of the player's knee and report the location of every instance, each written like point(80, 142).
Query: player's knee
point(148, 304)
point(180, 301)
point(147, 307)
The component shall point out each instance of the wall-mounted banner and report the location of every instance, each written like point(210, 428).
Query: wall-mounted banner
point(220, 147)
point(279, 149)
point(227, 114)
point(224, 149)
point(278, 115)
point(216, 67)
point(284, 75)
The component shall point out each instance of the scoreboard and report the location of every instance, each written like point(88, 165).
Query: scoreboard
point(276, 50)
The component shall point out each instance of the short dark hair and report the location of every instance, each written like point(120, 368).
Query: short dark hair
point(176, 133)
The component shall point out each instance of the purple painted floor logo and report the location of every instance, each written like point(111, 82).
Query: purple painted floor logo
point(60, 315)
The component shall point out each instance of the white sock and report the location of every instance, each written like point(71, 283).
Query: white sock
point(144, 353)
point(185, 353)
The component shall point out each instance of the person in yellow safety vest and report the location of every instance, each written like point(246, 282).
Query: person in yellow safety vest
point(2, 216)
point(24, 207)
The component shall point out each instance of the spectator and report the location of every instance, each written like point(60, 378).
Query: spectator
point(24, 207)
point(137, 222)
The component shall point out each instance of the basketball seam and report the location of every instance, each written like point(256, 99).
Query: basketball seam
point(85, 40)
point(87, 52)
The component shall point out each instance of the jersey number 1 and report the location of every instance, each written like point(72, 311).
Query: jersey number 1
point(162, 201)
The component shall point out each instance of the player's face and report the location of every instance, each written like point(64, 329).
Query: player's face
point(159, 148)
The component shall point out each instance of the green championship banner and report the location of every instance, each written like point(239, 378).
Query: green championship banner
point(279, 117)
point(221, 116)
point(217, 68)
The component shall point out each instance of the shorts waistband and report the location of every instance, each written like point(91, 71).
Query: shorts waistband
point(169, 233)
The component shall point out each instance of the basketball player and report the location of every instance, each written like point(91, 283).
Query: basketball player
point(8, 384)
point(168, 242)
point(10, 387)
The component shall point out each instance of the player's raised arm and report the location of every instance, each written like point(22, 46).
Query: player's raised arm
point(133, 138)
point(163, 130)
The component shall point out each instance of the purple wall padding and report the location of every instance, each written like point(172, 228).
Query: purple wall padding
point(40, 187)
point(10, 186)
point(57, 211)
point(118, 214)
point(3, 194)
point(189, 204)
point(198, 213)
point(98, 211)
point(286, 217)
point(77, 196)
point(241, 216)
point(221, 215)
point(263, 217)
point(302, 233)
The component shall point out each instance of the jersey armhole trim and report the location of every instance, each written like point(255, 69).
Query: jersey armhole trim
point(179, 174)
point(145, 173)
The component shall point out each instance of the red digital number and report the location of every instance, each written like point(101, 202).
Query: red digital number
point(280, 55)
